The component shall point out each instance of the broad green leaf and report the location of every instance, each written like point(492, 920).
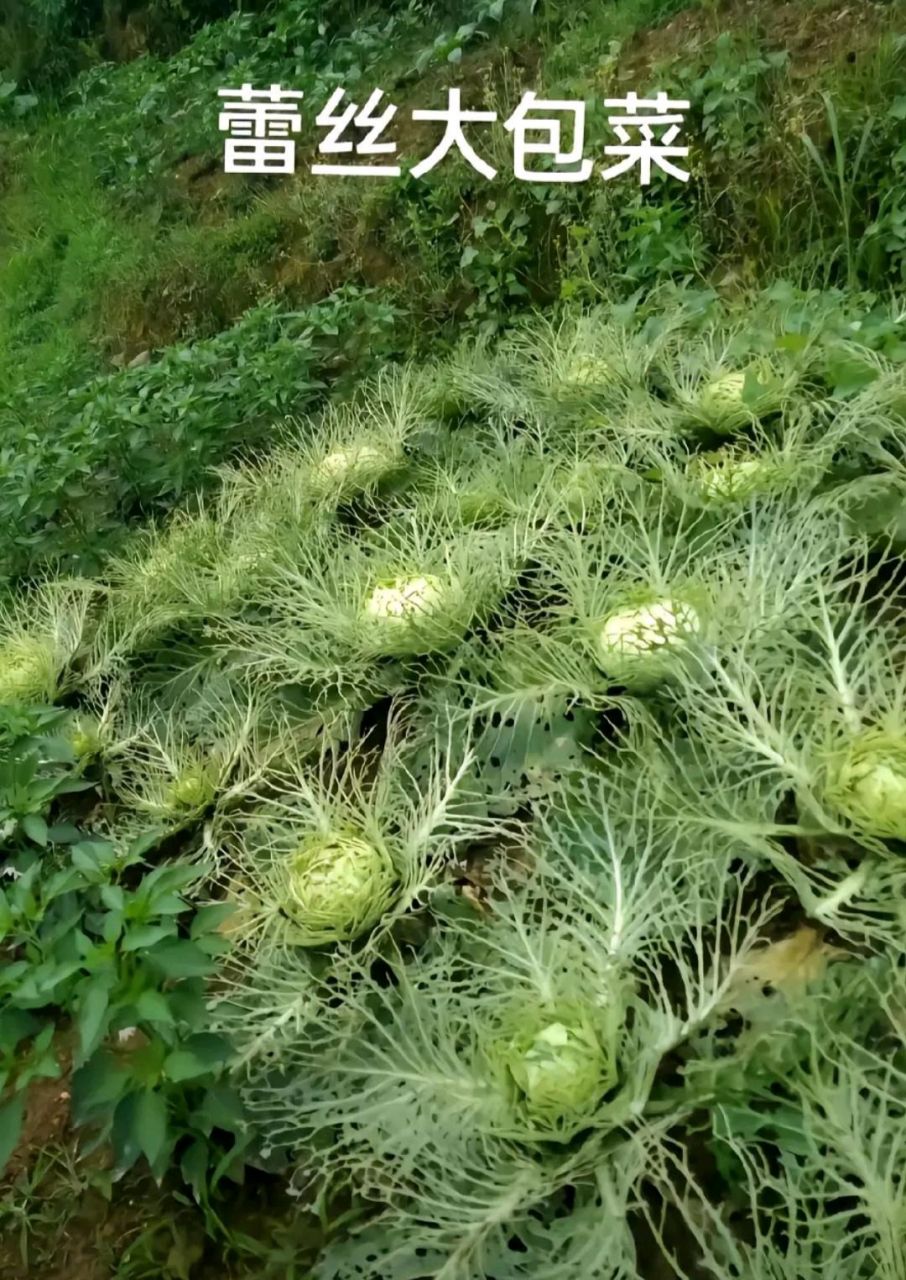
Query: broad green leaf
point(92, 1016)
point(35, 828)
point(222, 1107)
point(140, 937)
point(198, 1055)
point(180, 958)
point(194, 1167)
point(149, 1123)
point(153, 1006)
point(97, 1084)
point(209, 918)
point(12, 1114)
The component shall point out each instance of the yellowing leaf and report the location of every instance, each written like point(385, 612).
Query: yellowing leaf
point(789, 966)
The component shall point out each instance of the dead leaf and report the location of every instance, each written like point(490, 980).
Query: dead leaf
point(787, 966)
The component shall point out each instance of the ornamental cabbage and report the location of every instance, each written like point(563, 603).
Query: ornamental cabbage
point(867, 783)
point(579, 487)
point(352, 468)
point(637, 646)
point(590, 371)
point(28, 670)
point(732, 400)
point(558, 1069)
point(84, 737)
point(408, 616)
point(194, 789)
point(481, 506)
point(727, 475)
point(336, 888)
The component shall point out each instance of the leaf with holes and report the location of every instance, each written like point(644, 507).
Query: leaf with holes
point(525, 747)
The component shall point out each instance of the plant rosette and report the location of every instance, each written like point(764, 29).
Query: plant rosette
point(407, 616)
point(29, 671)
point(866, 783)
point(640, 643)
point(556, 1065)
point(446, 401)
point(482, 506)
point(726, 476)
point(335, 888)
point(589, 372)
point(733, 400)
point(193, 790)
point(354, 468)
point(84, 737)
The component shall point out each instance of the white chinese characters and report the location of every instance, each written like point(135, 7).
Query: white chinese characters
point(364, 118)
point(521, 125)
point(547, 136)
point(259, 122)
point(454, 136)
point(645, 115)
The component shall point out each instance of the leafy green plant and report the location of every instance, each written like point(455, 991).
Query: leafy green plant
point(123, 955)
point(142, 437)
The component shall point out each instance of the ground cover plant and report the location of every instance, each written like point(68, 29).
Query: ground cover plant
point(452, 741)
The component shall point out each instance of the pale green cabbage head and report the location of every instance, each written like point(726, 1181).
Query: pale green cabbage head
point(28, 670)
point(867, 783)
point(733, 399)
point(481, 506)
point(84, 736)
point(352, 468)
point(400, 600)
point(580, 487)
point(406, 616)
point(590, 371)
point(559, 1069)
point(194, 789)
point(639, 644)
point(337, 887)
point(728, 476)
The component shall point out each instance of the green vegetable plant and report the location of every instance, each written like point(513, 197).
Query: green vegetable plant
point(41, 632)
point(347, 844)
point(521, 1046)
point(94, 938)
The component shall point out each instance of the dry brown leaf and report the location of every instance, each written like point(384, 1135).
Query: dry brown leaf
point(788, 965)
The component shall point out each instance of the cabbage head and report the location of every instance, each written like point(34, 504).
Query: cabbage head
point(194, 789)
point(407, 616)
point(732, 400)
point(867, 783)
point(353, 468)
point(28, 670)
point(590, 371)
point(558, 1068)
point(638, 645)
point(337, 887)
point(727, 476)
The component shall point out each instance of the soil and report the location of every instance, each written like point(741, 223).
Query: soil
point(46, 1123)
